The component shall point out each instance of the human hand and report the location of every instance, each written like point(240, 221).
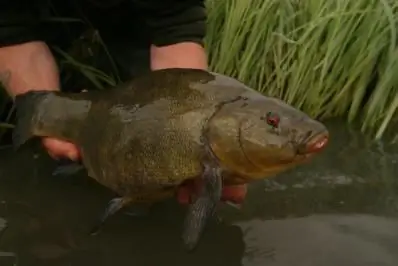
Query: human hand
point(234, 194)
point(61, 149)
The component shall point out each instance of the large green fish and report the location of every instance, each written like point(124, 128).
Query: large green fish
point(146, 137)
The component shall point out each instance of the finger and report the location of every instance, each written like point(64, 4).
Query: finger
point(52, 155)
point(184, 195)
point(235, 194)
point(57, 149)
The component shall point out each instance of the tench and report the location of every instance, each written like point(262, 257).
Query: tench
point(144, 138)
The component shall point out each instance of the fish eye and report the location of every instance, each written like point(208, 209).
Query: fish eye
point(272, 119)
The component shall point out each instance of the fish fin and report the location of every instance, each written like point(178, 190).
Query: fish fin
point(70, 169)
point(114, 205)
point(67, 167)
point(25, 105)
point(203, 208)
point(139, 210)
point(234, 205)
point(218, 219)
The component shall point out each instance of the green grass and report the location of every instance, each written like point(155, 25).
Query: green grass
point(328, 58)
point(318, 55)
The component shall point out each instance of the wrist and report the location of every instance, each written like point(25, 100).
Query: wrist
point(28, 67)
point(17, 85)
point(181, 55)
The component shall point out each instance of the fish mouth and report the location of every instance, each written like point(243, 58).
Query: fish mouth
point(313, 144)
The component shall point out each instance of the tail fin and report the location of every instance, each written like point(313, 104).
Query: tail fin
point(26, 109)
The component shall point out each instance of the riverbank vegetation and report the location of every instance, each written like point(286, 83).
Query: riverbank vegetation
point(328, 58)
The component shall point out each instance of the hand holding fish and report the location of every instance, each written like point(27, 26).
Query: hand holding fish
point(61, 149)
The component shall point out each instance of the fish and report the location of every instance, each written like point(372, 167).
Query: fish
point(145, 137)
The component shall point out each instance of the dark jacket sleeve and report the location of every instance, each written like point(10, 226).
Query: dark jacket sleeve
point(174, 21)
point(19, 22)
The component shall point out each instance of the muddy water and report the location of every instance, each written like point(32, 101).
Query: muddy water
point(341, 209)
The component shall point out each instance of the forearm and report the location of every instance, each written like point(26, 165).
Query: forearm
point(180, 55)
point(28, 66)
point(177, 31)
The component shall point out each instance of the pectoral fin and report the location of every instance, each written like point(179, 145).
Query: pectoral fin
point(203, 208)
point(67, 167)
point(113, 206)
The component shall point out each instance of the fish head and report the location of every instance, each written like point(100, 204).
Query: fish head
point(257, 136)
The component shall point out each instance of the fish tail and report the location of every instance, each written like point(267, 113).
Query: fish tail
point(26, 111)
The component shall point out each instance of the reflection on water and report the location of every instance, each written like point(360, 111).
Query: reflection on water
point(326, 240)
point(341, 209)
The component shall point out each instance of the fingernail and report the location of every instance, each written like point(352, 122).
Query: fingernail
point(53, 156)
point(72, 155)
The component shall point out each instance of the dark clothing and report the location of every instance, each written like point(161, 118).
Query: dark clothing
point(162, 21)
point(126, 26)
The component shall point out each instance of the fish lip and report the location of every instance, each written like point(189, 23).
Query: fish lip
point(311, 140)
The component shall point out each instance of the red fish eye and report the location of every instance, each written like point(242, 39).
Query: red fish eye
point(272, 119)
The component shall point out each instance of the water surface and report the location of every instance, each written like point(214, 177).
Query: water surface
point(341, 209)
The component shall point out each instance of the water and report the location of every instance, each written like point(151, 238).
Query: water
point(341, 209)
